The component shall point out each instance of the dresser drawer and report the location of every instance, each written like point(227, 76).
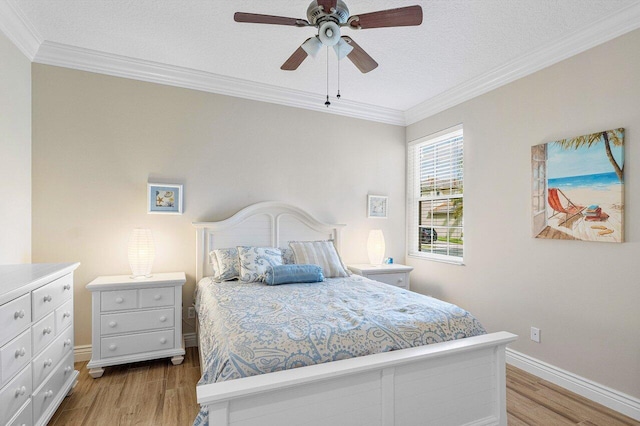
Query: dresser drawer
point(152, 297)
point(44, 396)
point(43, 332)
point(24, 418)
point(64, 316)
point(44, 363)
point(15, 316)
point(118, 300)
point(50, 296)
point(397, 280)
point(14, 395)
point(136, 343)
point(128, 322)
point(15, 355)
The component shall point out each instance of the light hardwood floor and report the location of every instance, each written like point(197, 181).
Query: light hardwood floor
point(157, 393)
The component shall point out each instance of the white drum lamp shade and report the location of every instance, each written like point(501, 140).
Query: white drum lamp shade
point(141, 251)
point(375, 246)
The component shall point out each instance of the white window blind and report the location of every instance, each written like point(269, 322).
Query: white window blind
point(435, 171)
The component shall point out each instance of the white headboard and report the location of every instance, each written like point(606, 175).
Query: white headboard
point(267, 224)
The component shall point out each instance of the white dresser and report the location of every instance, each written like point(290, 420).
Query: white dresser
point(393, 274)
point(136, 320)
point(36, 341)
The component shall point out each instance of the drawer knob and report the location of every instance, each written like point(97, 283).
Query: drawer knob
point(20, 352)
point(112, 324)
point(157, 297)
point(163, 340)
point(67, 369)
point(67, 287)
point(400, 280)
point(163, 319)
point(21, 391)
point(47, 330)
point(112, 347)
point(48, 394)
point(66, 343)
point(119, 300)
point(48, 362)
point(19, 314)
point(66, 314)
point(47, 298)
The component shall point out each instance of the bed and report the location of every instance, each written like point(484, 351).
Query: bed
point(265, 352)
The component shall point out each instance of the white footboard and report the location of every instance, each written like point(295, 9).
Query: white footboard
point(461, 382)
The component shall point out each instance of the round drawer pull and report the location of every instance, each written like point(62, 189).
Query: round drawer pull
point(47, 298)
point(119, 300)
point(48, 362)
point(48, 394)
point(21, 391)
point(112, 324)
point(47, 330)
point(20, 352)
point(66, 343)
point(163, 340)
point(66, 315)
point(67, 287)
point(19, 314)
point(112, 347)
point(163, 319)
point(400, 280)
point(67, 369)
point(157, 297)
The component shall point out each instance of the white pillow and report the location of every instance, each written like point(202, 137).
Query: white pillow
point(254, 262)
point(322, 253)
point(228, 265)
point(213, 260)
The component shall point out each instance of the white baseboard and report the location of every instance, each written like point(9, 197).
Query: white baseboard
point(618, 401)
point(83, 352)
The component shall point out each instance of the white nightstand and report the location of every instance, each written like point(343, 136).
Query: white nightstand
point(393, 274)
point(136, 320)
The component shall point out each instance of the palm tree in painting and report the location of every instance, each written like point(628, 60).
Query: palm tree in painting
point(615, 137)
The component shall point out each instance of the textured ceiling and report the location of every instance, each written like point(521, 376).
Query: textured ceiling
point(458, 40)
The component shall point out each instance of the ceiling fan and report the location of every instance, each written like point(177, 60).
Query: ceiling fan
point(328, 16)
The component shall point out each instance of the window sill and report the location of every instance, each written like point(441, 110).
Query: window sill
point(436, 259)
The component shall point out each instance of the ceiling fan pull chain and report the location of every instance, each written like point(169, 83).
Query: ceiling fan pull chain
point(338, 95)
point(327, 103)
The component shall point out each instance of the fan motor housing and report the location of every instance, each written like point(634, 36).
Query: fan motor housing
point(316, 15)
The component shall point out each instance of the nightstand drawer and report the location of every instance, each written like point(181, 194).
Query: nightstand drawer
point(15, 355)
point(51, 356)
point(152, 297)
point(393, 279)
point(15, 316)
point(15, 394)
point(118, 300)
point(136, 321)
point(43, 332)
point(136, 343)
point(52, 295)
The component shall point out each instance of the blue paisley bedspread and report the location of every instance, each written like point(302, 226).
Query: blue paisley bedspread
point(248, 329)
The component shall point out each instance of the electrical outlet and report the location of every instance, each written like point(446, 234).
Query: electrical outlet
point(535, 334)
point(191, 313)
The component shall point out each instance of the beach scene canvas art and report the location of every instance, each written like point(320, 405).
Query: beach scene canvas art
point(578, 188)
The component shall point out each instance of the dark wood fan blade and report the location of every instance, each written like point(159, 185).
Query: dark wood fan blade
point(255, 18)
point(294, 60)
point(400, 17)
point(359, 57)
point(327, 5)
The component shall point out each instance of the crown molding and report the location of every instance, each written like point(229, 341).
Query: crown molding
point(608, 28)
point(62, 55)
point(18, 29)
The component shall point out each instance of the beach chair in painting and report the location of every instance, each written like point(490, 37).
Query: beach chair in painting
point(569, 211)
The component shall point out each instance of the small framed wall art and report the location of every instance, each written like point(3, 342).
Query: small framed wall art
point(377, 206)
point(164, 198)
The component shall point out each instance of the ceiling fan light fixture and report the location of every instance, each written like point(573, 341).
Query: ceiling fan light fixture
point(342, 49)
point(312, 46)
point(329, 33)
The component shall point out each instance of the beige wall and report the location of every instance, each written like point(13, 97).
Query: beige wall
point(15, 154)
point(584, 296)
point(97, 140)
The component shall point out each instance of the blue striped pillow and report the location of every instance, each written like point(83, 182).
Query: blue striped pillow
point(289, 274)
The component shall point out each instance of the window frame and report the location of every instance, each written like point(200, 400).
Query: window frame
point(414, 197)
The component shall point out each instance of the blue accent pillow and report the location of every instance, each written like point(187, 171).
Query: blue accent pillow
point(289, 274)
